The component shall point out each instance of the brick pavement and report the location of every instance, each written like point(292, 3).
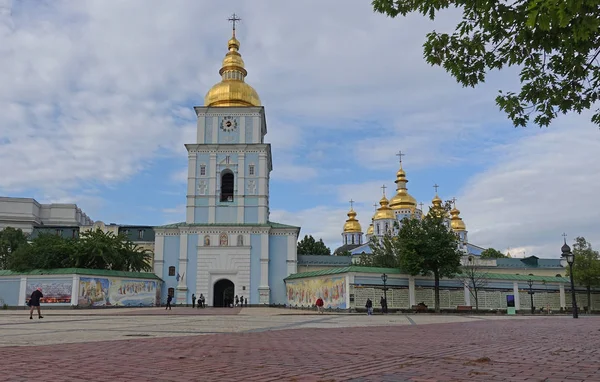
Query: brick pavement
point(546, 349)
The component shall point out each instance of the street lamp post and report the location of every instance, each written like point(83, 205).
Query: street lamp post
point(531, 293)
point(384, 278)
point(570, 258)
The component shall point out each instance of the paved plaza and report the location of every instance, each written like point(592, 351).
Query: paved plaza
point(260, 344)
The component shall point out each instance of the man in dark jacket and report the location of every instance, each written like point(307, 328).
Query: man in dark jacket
point(34, 302)
point(169, 299)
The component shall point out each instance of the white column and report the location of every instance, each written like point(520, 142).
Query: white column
point(517, 297)
point(75, 291)
point(291, 254)
point(262, 187)
point(563, 300)
point(241, 183)
point(22, 292)
point(263, 289)
point(256, 130)
point(411, 291)
point(183, 262)
point(215, 130)
point(191, 188)
point(201, 128)
point(159, 248)
point(467, 295)
point(242, 133)
point(212, 188)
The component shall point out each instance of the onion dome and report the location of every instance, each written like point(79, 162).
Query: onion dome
point(384, 211)
point(402, 199)
point(232, 90)
point(352, 225)
point(456, 221)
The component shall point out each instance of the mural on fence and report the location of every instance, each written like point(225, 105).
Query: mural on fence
point(305, 292)
point(55, 291)
point(101, 291)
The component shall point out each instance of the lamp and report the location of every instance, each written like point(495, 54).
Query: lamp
point(570, 258)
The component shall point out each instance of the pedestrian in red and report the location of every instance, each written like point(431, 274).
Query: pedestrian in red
point(319, 305)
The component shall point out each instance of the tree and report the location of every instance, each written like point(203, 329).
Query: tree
point(586, 268)
point(10, 240)
point(344, 253)
point(556, 45)
point(93, 249)
point(429, 247)
point(475, 278)
point(492, 253)
point(309, 246)
point(384, 253)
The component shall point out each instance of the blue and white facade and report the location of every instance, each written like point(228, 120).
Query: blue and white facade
point(227, 234)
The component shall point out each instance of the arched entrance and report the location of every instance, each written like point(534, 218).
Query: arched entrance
point(223, 293)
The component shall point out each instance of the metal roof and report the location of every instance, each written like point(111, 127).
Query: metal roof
point(357, 269)
point(82, 271)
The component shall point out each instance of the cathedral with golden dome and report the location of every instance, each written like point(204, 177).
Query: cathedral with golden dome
point(389, 214)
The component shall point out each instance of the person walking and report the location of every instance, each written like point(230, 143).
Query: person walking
point(193, 300)
point(369, 306)
point(34, 302)
point(169, 299)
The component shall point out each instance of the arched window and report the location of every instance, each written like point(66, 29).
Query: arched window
point(352, 239)
point(227, 186)
point(378, 231)
point(223, 240)
point(207, 240)
point(387, 227)
point(558, 275)
point(171, 271)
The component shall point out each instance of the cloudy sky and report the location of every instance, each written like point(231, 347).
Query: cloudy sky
point(96, 104)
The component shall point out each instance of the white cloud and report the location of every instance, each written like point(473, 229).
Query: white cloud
point(541, 186)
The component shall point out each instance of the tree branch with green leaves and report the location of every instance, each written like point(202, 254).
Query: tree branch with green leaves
point(556, 45)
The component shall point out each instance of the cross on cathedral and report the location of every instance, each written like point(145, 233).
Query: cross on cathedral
point(436, 188)
point(383, 188)
point(400, 155)
point(564, 235)
point(421, 205)
point(375, 205)
point(233, 19)
point(454, 202)
point(351, 204)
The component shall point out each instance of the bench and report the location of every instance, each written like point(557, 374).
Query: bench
point(464, 308)
point(419, 308)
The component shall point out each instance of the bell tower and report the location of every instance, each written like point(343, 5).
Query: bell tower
point(229, 166)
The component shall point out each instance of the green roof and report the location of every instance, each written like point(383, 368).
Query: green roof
point(493, 276)
point(82, 271)
point(268, 224)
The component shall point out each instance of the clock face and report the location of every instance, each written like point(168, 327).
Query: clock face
point(228, 124)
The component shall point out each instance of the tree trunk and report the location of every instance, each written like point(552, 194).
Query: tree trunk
point(589, 296)
point(436, 288)
point(476, 301)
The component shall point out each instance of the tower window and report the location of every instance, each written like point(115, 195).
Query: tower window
point(352, 239)
point(251, 169)
point(171, 271)
point(227, 187)
point(141, 234)
point(202, 170)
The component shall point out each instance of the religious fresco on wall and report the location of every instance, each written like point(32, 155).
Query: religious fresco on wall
point(102, 291)
point(305, 292)
point(54, 291)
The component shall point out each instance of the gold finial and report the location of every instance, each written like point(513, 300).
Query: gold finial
point(383, 188)
point(351, 204)
point(436, 188)
point(352, 225)
point(233, 19)
point(232, 90)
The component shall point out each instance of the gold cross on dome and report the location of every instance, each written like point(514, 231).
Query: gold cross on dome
point(383, 188)
point(351, 203)
point(233, 19)
point(400, 155)
point(436, 187)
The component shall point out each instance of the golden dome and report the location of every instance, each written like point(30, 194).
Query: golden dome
point(402, 199)
point(232, 90)
point(384, 212)
point(370, 229)
point(352, 225)
point(437, 208)
point(456, 221)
